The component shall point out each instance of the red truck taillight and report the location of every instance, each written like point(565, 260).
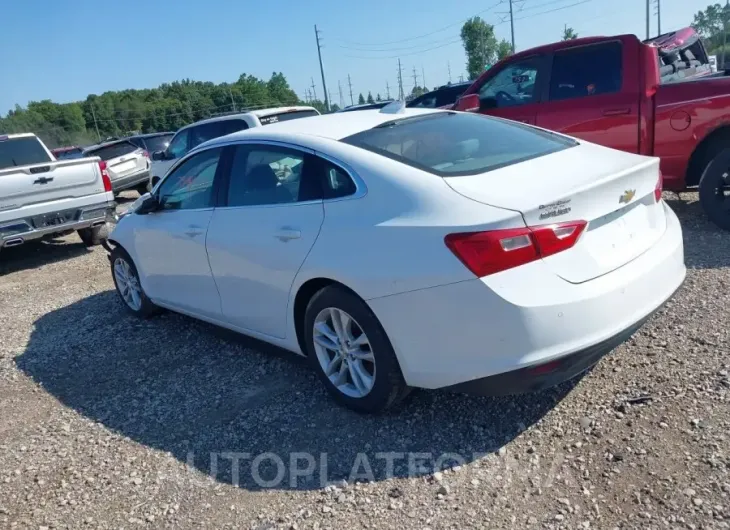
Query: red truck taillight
point(105, 176)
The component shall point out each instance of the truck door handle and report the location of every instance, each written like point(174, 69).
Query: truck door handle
point(42, 180)
point(287, 233)
point(616, 112)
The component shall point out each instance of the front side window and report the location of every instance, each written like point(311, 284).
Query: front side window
point(179, 145)
point(265, 175)
point(512, 86)
point(454, 144)
point(586, 71)
point(190, 185)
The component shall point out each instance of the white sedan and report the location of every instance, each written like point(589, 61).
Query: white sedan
point(408, 248)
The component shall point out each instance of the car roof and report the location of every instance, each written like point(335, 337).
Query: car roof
point(259, 113)
point(335, 126)
point(364, 106)
point(106, 144)
point(152, 135)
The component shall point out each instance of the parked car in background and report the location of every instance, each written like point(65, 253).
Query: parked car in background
point(442, 97)
point(366, 106)
point(40, 196)
point(681, 55)
point(127, 164)
point(196, 133)
point(68, 153)
point(494, 257)
point(607, 90)
point(152, 142)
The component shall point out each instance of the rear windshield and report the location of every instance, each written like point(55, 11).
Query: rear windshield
point(21, 151)
point(286, 116)
point(107, 152)
point(157, 143)
point(455, 144)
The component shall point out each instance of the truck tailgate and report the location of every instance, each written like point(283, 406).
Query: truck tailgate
point(67, 179)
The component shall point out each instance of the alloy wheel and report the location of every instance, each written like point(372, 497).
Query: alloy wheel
point(128, 284)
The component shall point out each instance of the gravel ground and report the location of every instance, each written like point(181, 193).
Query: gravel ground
point(111, 422)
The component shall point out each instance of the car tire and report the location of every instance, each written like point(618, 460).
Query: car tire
point(94, 235)
point(143, 307)
point(714, 186)
point(387, 386)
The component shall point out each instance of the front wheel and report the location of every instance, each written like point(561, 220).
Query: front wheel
point(129, 288)
point(715, 189)
point(351, 353)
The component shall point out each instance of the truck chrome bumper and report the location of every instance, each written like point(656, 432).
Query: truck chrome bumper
point(18, 231)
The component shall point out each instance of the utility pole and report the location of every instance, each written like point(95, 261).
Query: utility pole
point(314, 89)
point(415, 78)
point(321, 68)
point(423, 77)
point(448, 65)
point(387, 89)
point(401, 95)
point(724, 31)
point(233, 102)
point(512, 25)
point(648, 14)
point(96, 126)
point(342, 100)
point(352, 101)
point(659, 17)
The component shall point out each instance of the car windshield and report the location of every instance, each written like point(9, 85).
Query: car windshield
point(107, 152)
point(157, 143)
point(454, 144)
point(21, 151)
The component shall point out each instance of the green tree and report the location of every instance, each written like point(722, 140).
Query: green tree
point(710, 25)
point(480, 45)
point(417, 91)
point(378, 98)
point(370, 98)
point(569, 34)
point(504, 49)
point(360, 99)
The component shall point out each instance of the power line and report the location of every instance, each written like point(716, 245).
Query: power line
point(425, 34)
point(321, 69)
point(398, 49)
point(406, 54)
point(553, 10)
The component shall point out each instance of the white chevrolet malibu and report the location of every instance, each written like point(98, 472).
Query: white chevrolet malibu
point(408, 248)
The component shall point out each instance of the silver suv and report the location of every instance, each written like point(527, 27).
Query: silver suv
point(127, 164)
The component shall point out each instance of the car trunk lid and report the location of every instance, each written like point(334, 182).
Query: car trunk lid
point(612, 191)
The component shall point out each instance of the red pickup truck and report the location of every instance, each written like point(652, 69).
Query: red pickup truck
point(607, 90)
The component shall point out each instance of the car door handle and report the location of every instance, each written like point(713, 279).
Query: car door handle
point(286, 234)
point(616, 112)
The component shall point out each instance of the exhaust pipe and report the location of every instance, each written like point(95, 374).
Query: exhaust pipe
point(14, 242)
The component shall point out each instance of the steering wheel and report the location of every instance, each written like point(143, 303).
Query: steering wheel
point(501, 94)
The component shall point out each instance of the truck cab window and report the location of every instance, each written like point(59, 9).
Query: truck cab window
point(586, 71)
point(512, 86)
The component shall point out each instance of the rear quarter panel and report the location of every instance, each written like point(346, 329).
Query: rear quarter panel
point(686, 113)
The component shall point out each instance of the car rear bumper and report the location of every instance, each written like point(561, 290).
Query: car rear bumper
point(131, 181)
point(19, 231)
point(526, 317)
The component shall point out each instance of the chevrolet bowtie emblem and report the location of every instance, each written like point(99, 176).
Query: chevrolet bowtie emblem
point(626, 196)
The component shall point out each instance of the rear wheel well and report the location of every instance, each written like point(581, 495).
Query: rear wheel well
point(705, 152)
point(301, 301)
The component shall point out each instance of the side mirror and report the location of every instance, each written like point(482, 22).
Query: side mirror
point(149, 204)
point(158, 155)
point(468, 103)
point(154, 182)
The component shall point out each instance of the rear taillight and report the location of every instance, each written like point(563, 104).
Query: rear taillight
point(105, 176)
point(145, 154)
point(658, 188)
point(486, 253)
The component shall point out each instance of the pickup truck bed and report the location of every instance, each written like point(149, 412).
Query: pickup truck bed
point(48, 197)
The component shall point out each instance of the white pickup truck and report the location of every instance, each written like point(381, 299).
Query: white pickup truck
point(40, 196)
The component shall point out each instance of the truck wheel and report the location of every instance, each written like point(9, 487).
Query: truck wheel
point(94, 235)
point(715, 189)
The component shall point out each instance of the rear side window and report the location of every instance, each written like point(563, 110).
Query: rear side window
point(286, 116)
point(208, 131)
point(455, 144)
point(337, 182)
point(157, 143)
point(586, 71)
point(22, 151)
point(107, 152)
